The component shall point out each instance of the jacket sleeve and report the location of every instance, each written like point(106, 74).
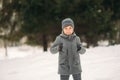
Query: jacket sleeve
point(82, 50)
point(55, 46)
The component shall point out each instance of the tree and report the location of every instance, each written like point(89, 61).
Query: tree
point(39, 19)
point(8, 21)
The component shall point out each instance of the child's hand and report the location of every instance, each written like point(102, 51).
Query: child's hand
point(60, 47)
point(81, 49)
point(78, 47)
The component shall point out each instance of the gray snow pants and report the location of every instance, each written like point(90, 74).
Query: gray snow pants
point(66, 77)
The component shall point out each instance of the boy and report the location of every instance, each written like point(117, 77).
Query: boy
point(69, 46)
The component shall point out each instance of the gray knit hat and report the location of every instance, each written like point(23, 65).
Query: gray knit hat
point(67, 22)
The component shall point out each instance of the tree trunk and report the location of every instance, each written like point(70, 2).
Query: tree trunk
point(118, 37)
point(45, 43)
point(5, 46)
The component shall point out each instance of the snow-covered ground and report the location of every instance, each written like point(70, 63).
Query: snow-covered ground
point(31, 63)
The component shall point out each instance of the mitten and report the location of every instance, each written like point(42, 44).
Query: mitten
point(78, 47)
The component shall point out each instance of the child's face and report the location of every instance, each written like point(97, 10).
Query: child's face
point(68, 30)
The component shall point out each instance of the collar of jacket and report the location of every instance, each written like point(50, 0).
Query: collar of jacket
point(69, 37)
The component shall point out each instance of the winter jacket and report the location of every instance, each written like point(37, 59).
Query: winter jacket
point(69, 58)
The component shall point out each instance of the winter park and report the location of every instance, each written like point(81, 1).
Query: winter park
point(59, 40)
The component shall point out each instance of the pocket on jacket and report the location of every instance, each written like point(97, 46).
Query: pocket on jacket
point(63, 66)
point(62, 61)
point(76, 59)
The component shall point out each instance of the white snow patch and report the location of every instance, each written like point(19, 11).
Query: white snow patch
point(31, 63)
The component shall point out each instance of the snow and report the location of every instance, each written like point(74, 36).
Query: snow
point(31, 63)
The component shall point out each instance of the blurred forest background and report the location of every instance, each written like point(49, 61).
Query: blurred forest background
point(38, 22)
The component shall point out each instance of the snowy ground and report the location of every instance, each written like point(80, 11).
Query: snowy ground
point(31, 63)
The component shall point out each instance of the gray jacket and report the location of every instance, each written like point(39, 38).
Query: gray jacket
point(69, 58)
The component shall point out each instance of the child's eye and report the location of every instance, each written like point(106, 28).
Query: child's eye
point(65, 27)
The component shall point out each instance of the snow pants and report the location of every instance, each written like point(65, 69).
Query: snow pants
point(75, 77)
